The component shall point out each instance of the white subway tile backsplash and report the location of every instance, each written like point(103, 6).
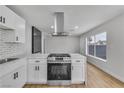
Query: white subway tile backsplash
point(9, 49)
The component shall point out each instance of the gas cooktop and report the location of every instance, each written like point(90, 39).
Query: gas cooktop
point(59, 55)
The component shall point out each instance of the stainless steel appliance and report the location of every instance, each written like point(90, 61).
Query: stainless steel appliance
point(59, 69)
point(59, 25)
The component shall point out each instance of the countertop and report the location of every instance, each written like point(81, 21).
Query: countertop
point(44, 56)
point(14, 56)
point(10, 66)
point(77, 56)
point(73, 56)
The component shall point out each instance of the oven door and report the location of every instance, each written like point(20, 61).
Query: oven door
point(59, 71)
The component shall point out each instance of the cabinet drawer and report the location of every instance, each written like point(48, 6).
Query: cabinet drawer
point(78, 60)
point(36, 60)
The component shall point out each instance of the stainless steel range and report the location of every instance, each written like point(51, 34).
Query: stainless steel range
point(59, 69)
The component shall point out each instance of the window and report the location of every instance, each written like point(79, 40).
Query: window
point(97, 45)
point(91, 42)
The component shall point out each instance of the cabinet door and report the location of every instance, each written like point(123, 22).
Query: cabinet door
point(1, 16)
point(8, 17)
point(10, 20)
point(42, 73)
point(37, 73)
point(77, 72)
point(33, 73)
point(20, 29)
point(8, 81)
point(20, 77)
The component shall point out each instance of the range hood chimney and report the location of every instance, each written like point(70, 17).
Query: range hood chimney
point(59, 25)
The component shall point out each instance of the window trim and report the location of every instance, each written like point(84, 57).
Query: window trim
point(98, 58)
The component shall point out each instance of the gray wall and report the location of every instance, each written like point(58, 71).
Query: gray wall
point(115, 47)
point(69, 44)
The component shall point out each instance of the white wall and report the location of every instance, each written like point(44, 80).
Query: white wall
point(10, 49)
point(69, 44)
point(115, 47)
point(15, 49)
point(28, 38)
point(66, 44)
point(62, 44)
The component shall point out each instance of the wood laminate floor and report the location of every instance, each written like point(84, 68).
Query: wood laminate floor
point(96, 79)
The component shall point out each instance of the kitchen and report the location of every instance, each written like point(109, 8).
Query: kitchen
point(35, 50)
point(40, 66)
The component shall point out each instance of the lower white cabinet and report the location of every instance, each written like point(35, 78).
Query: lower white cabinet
point(37, 71)
point(22, 76)
point(78, 71)
point(8, 80)
point(16, 78)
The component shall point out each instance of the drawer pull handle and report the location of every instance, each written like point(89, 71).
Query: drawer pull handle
point(14, 76)
point(38, 68)
point(4, 20)
point(37, 61)
point(35, 68)
point(78, 61)
point(17, 38)
point(1, 19)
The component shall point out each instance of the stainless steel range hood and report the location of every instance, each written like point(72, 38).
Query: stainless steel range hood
point(59, 25)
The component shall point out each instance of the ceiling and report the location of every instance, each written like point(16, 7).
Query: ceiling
point(85, 17)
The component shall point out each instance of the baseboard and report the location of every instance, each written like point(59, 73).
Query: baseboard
point(110, 73)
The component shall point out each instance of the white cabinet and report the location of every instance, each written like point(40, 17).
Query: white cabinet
point(20, 29)
point(8, 80)
point(16, 78)
point(18, 35)
point(13, 24)
point(32, 73)
point(6, 18)
point(37, 71)
point(78, 71)
point(21, 76)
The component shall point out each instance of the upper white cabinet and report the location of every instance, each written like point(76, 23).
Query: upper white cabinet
point(6, 18)
point(19, 32)
point(20, 29)
point(13, 24)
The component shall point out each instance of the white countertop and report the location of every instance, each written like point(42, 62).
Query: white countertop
point(44, 56)
point(77, 56)
point(10, 66)
point(73, 56)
